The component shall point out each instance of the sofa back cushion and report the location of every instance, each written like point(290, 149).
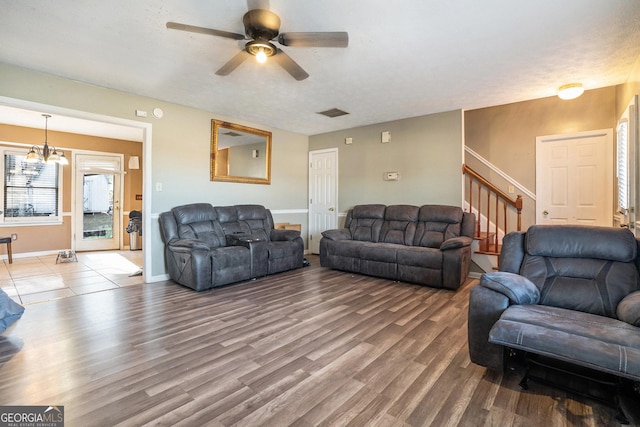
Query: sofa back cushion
point(437, 223)
point(583, 268)
point(365, 222)
point(257, 218)
point(199, 221)
point(399, 224)
point(246, 219)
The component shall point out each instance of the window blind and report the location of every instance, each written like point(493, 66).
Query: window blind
point(30, 189)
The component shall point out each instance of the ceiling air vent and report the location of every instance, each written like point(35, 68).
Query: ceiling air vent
point(334, 112)
point(232, 133)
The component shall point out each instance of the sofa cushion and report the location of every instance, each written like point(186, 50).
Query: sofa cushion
point(199, 221)
point(576, 337)
point(591, 285)
point(366, 222)
point(399, 224)
point(257, 218)
point(420, 257)
point(383, 252)
point(437, 223)
point(580, 241)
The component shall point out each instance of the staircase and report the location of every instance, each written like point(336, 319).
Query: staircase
point(496, 213)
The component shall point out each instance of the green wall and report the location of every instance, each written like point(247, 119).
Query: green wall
point(180, 150)
point(426, 151)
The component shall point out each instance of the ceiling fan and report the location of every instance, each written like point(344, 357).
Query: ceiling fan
point(261, 27)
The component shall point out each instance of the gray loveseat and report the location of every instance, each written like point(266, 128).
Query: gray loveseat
point(429, 245)
point(567, 293)
point(208, 246)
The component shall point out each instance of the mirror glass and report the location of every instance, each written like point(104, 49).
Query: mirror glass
point(240, 153)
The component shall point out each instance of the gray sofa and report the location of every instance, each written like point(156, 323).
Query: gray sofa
point(566, 293)
point(429, 245)
point(208, 246)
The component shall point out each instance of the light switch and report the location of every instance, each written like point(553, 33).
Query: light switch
point(158, 186)
point(386, 137)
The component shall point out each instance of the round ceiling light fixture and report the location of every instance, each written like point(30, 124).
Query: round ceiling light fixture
point(261, 49)
point(570, 91)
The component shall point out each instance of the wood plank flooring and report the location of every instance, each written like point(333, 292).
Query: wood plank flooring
point(303, 348)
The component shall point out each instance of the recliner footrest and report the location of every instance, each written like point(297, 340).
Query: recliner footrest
point(584, 339)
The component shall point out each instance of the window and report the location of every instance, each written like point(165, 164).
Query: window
point(622, 167)
point(31, 190)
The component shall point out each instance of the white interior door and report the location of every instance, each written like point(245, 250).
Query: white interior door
point(323, 195)
point(574, 178)
point(98, 190)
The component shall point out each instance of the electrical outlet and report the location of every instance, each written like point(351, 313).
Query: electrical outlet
point(14, 236)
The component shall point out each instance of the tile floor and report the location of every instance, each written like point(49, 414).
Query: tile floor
point(38, 279)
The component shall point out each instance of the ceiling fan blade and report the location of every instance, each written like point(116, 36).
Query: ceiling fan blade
point(324, 39)
point(202, 30)
point(290, 65)
point(233, 63)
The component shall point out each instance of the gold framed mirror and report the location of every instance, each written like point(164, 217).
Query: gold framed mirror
point(240, 153)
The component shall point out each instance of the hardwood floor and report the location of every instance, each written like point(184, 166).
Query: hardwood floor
point(308, 347)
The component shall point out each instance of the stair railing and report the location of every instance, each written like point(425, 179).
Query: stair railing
point(501, 201)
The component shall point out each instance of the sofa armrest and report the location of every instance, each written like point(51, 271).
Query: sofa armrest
point(284, 235)
point(629, 309)
point(455, 243)
point(189, 263)
point(187, 244)
point(337, 234)
point(485, 308)
point(518, 289)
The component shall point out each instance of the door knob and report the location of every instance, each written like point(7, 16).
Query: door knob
point(330, 209)
point(545, 212)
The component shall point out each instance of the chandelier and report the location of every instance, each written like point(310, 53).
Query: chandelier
point(47, 154)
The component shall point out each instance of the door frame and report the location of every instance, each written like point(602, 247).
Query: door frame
point(74, 196)
point(608, 133)
point(336, 187)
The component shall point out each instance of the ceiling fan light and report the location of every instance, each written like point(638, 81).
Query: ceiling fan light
point(261, 49)
point(570, 91)
point(261, 57)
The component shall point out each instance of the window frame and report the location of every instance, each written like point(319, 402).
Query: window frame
point(29, 220)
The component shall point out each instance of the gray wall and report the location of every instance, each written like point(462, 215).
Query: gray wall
point(505, 135)
point(242, 162)
point(427, 152)
point(180, 149)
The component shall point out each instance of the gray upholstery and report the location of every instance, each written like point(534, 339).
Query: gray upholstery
point(428, 245)
point(208, 246)
point(564, 291)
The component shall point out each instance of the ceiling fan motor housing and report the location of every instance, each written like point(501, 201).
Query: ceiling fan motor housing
point(261, 24)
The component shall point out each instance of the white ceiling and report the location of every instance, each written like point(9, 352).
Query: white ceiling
point(405, 58)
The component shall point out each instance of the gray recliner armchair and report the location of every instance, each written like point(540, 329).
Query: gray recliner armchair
point(567, 293)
